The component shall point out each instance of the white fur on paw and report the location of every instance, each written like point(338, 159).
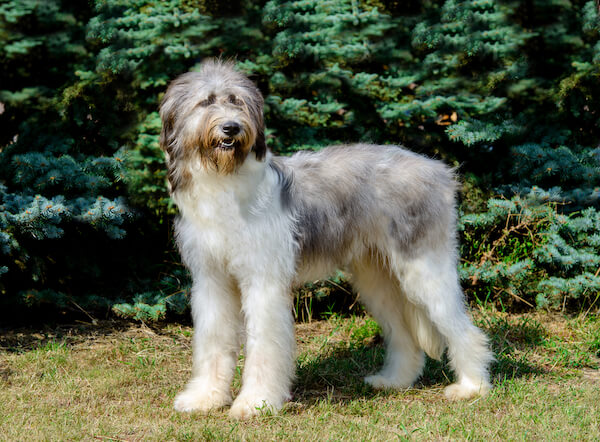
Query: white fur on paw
point(466, 390)
point(381, 382)
point(247, 407)
point(189, 400)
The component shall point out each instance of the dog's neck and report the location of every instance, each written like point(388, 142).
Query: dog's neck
point(249, 190)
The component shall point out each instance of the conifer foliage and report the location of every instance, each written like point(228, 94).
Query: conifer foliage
point(523, 252)
point(506, 90)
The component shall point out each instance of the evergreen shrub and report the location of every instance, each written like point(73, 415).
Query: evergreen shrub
point(508, 92)
point(524, 252)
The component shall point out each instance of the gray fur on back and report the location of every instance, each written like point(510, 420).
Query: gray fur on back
point(362, 192)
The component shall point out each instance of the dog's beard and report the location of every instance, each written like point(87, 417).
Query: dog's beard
point(217, 151)
point(226, 154)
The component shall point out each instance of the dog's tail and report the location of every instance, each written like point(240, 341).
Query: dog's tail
point(423, 331)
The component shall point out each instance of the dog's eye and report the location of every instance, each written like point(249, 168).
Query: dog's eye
point(234, 100)
point(210, 100)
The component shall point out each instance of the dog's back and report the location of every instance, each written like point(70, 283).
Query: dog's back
point(367, 195)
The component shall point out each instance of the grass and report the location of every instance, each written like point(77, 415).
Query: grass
point(117, 380)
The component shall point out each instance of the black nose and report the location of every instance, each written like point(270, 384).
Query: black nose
point(231, 128)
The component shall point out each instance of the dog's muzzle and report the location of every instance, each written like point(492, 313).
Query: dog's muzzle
point(227, 143)
point(230, 129)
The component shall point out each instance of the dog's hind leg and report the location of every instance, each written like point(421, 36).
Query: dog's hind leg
point(431, 280)
point(216, 343)
point(379, 292)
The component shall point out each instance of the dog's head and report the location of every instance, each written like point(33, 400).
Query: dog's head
point(213, 117)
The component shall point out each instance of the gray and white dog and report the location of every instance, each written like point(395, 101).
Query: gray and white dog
point(253, 225)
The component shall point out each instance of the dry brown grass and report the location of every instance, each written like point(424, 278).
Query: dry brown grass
point(117, 381)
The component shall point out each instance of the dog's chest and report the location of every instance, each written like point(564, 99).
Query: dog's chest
point(222, 217)
point(236, 220)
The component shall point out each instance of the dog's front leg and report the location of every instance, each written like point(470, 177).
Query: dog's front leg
point(217, 325)
point(269, 351)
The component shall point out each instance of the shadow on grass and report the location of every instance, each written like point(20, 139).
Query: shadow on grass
point(337, 374)
point(336, 371)
point(24, 339)
point(511, 341)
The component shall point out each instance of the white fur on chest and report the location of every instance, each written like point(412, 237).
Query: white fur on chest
point(236, 221)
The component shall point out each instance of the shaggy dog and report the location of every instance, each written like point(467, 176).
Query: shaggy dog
point(253, 225)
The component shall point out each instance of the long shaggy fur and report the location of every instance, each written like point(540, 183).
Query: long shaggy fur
point(252, 225)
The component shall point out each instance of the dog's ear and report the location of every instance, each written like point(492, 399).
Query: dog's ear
point(166, 117)
point(165, 142)
point(165, 134)
point(166, 131)
point(260, 147)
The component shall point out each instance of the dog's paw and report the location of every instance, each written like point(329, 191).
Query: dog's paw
point(381, 382)
point(190, 400)
point(247, 407)
point(466, 390)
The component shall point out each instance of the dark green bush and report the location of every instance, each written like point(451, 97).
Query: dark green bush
point(506, 90)
point(523, 253)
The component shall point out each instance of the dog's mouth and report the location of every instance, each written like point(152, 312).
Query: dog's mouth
point(226, 144)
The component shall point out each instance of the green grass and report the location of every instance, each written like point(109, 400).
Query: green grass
point(117, 381)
